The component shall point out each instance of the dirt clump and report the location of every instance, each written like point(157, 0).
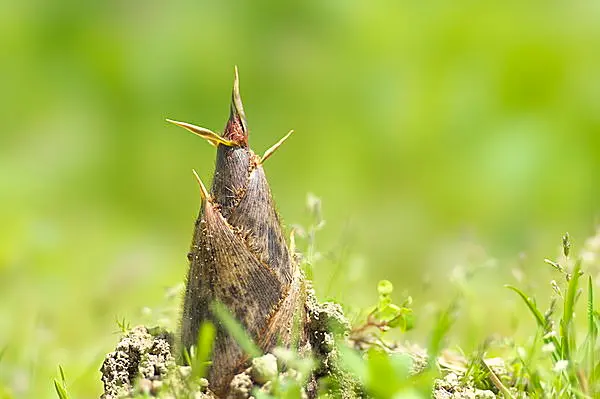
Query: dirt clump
point(451, 387)
point(142, 364)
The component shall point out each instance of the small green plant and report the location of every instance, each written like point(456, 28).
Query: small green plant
point(61, 385)
point(383, 370)
point(481, 376)
point(384, 316)
point(574, 369)
point(380, 373)
point(123, 325)
point(199, 355)
point(445, 319)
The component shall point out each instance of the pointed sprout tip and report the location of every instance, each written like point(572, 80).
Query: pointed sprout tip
point(275, 146)
point(237, 108)
point(203, 192)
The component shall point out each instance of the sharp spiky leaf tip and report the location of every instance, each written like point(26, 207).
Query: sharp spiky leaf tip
point(236, 129)
point(213, 138)
point(204, 195)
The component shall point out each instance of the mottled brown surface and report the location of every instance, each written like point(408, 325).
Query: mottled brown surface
point(239, 257)
point(231, 177)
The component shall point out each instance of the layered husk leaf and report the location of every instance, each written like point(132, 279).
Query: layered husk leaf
point(239, 256)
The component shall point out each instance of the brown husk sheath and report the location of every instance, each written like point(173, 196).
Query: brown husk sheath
point(239, 256)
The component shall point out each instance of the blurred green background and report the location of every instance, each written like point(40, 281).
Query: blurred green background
point(442, 138)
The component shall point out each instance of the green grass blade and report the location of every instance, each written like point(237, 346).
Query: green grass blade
point(496, 381)
point(539, 318)
point(381, 377)
point(352, 361)
point(204, 347)
point(568, 339)
point(60, 390)
point(235, 329)
point(592, 333)
point(571, 297)
point(187, 358)
point(530, 376)
point(62, 374)
point(61, 386)
point(445, 320)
